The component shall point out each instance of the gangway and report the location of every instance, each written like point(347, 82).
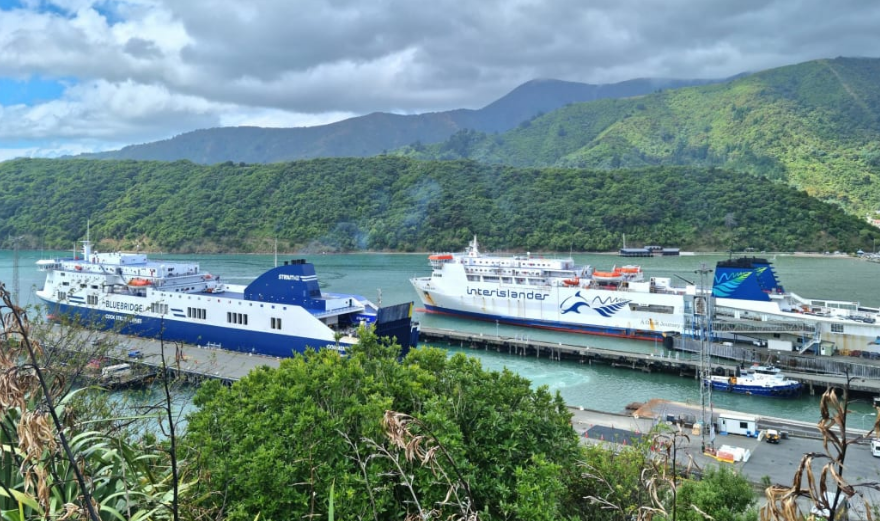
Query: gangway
point(755, 327)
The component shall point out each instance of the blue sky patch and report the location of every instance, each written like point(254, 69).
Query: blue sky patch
point(30, 92)
point(43, 7)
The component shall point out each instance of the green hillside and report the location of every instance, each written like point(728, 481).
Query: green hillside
point(378, 132)
point(398, 204)
point(814, 126)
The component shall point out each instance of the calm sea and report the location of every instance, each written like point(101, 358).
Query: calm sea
point(385, 277)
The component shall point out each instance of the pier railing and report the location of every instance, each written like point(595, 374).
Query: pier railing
point(787, 361)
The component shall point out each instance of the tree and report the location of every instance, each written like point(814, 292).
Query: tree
point(279, 440)
point(721, 493)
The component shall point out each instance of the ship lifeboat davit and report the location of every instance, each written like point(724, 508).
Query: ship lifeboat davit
point(440, 257)
point(139, 282)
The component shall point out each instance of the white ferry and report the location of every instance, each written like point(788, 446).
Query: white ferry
point(553, 293)
point(281, 312)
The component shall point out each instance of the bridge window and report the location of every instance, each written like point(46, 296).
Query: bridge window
point(837, 328)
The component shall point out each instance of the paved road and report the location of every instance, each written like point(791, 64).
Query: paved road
point(777, 462)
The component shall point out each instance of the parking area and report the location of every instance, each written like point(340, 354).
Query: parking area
point(774, 462)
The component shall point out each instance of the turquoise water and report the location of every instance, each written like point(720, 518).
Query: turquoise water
point(596, 387)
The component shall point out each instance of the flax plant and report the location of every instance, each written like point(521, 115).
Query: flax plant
point(782, 500)
point(419, 445)
point(50, 466)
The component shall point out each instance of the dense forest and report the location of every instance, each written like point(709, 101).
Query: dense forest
point(814, 126)
point(400, 204)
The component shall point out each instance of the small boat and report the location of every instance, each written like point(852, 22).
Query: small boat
point(760, 380)
point(440, 257)
point(608, 276)
point(572, 282)
point(139, 282)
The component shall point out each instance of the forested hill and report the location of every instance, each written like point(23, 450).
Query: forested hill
point(375, 133)
point(814, 126)
point(399, 204)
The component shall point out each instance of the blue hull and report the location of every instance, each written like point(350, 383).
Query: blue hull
point(785, 391)
point(634, 334)
point(268, 344)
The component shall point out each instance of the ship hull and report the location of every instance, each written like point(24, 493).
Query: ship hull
point(782, 391)
point(567, 327)
point(622, 314)
point(177, 330)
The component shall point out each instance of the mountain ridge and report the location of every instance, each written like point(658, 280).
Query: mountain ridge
point(380, 132)
point(814, 126)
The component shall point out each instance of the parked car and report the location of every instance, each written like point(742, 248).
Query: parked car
point(772, 436)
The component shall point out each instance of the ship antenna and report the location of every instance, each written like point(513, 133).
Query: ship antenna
point(87, 244)
point(276, 252)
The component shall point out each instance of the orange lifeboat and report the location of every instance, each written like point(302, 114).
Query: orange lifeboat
point(139, 282)
point(572, 282)
point(630, 270)
point(608, 274)
point(440, 257)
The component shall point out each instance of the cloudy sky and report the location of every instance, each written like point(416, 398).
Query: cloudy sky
point(89, 75)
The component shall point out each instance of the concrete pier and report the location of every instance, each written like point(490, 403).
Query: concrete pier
point(865, 373)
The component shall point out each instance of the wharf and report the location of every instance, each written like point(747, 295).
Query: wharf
point(191, 362)
point(200, 362)
point(816, 377)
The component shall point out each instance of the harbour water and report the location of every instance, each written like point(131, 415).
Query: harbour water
point(385, 277)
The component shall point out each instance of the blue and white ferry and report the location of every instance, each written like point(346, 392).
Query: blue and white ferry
point(759, 380)
point(282, 312)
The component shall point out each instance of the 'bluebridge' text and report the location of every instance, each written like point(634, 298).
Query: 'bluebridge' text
point(503, 293)
point(124, 306)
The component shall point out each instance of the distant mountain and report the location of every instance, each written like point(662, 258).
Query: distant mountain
point(814, 126)
point(379, 132)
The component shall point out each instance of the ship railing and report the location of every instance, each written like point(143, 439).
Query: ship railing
point(338, 311)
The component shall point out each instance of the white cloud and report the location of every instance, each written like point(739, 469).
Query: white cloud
point(142, 70)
